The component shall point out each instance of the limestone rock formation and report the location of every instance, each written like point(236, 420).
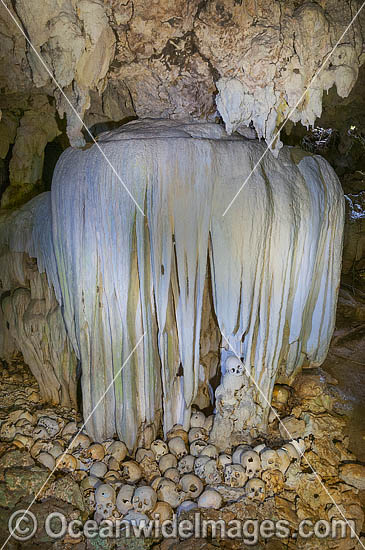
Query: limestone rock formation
point(170, 59)
point(30, 316)
point(126, 281)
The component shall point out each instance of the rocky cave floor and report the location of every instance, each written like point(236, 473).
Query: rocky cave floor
point(324, 410)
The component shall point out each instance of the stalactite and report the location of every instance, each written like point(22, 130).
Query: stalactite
point(274, 260)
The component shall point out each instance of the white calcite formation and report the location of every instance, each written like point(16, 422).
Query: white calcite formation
point(30, 315)
point(121, 278)
point(115, 60)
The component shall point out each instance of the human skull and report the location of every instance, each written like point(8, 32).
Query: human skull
point(197, 446)
point(89, 482)
point(105, 493)
point(162, 511)
point(186, 464)
point(95, 451)
point(124, 499)
point(159, 448)
point(26, 415)
point(173, 474)
point(211, 473)
point(177, 447)
point(69, 429)
point(178, 431)
point(210, 450)
point(40, 446)
point(199, 465)
point(39, 432)
point(270, 460)
point(235, 475)
point(142, 453)
point(223, 460)
point(113, 464)
point(131, 471)
point(66, 462)
point(166, 462)
point(105, 500)
point(255, 489)
point(50, 425)
point(232, 382)
point(197, 420)
point(234, 365)
point(56, 450)
point(210, 499)
point(80, 442)
point(103, 511)
point(274, 481)
point(118, 450)
point(251, 463)
point(237, 455)
point(280, 396)
point(24, 426)
point(98, 469)
point(197, 434)
point(144, 499)
point(168, 492)
point(47, 460)
point(191, 485)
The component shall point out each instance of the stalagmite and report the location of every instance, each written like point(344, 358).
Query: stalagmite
point(121, 277)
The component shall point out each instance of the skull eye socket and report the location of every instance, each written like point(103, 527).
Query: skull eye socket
point(250, 459)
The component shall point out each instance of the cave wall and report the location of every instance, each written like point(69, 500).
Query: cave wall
point(175, 59)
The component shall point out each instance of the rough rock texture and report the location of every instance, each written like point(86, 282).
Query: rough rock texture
point(30, 316)
point(169, 59)
point(118, 275)
point(292, 493)
point(354, 237)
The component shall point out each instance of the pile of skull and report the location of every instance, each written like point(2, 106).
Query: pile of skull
point(183, 473)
